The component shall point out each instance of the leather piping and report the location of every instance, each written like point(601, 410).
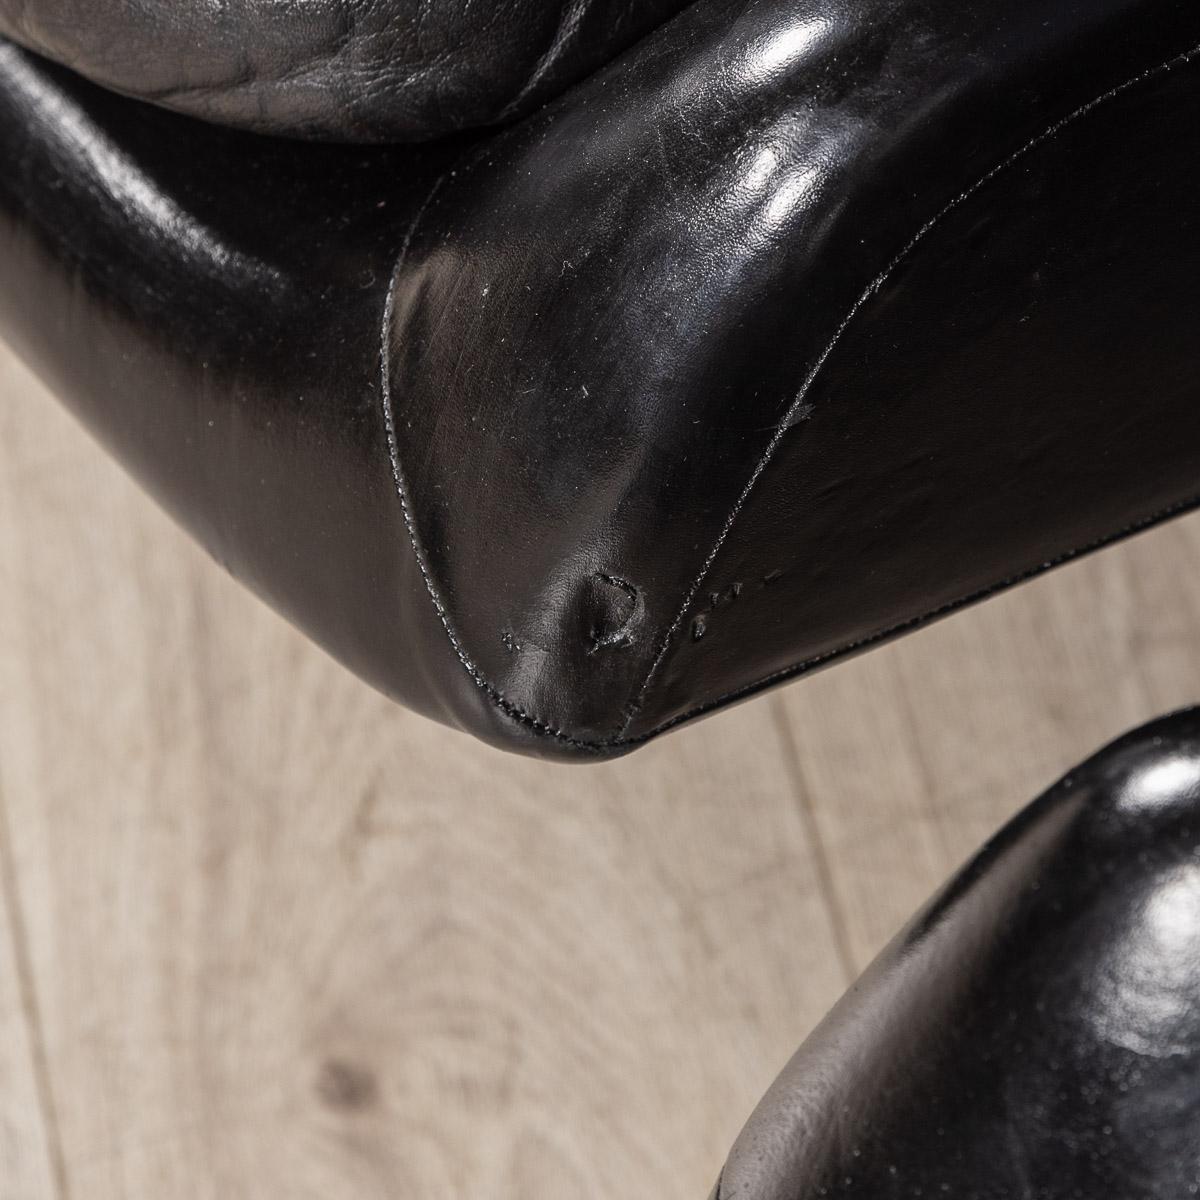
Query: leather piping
point(620, 739)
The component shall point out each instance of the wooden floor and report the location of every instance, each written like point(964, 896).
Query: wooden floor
point(264, 935)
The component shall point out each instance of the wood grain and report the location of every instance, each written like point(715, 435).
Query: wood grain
point(30, 1161)
point(284, 939)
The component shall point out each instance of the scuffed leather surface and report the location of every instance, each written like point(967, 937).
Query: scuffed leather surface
point(627, 299)
point(354, 70)
point(1035, 1031)
point(795, 326)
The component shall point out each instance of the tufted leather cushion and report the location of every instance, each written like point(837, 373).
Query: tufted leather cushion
point(795, 326)
point(355, 70)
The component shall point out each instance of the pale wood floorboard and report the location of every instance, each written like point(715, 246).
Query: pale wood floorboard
point(30, 1165)
point(283, 939)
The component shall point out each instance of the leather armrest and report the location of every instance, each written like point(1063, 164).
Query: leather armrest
point(795, 327)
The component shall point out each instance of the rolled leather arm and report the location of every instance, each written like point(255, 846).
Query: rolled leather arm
point(795, 327)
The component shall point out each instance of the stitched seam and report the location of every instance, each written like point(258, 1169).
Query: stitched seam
point(872, 288)
point(401, 484)
point(620, 739)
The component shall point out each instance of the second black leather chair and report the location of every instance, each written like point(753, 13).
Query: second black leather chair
point(1034, 1034)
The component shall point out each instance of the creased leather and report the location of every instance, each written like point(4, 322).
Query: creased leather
point(793, 327)
point(1034, 1031)
point(344, 70)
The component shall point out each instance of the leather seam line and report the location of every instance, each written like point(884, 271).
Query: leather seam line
point(401, 484)
point(635, 706)
point(620, 739)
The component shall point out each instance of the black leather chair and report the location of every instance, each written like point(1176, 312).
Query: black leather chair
point(570, 368)
point(772, 328)
point(1034, 1034)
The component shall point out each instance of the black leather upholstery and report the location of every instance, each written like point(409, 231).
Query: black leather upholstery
point(1035, 1032)
point(793, 327)
point(350, 70)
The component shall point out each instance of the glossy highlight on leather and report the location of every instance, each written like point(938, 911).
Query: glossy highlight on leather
point(790, 328)
point(1035, 1031)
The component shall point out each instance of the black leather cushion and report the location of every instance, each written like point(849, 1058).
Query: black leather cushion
point(1035, 1032)
point(794, 327)
point(356, 70)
